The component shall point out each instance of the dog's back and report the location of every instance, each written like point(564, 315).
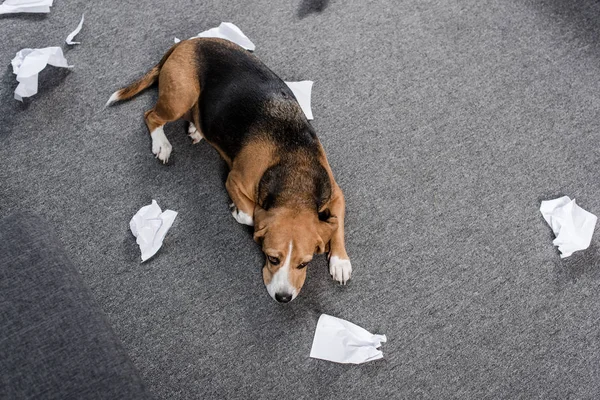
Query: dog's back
point(241, 98)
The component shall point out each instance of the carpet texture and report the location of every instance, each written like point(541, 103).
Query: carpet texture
point(54, 342)
point(446, 123)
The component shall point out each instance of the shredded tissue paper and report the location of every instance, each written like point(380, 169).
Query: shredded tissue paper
point(72, 35)
point(343, 342)
point(571, 224)
point(28, 63)
point(25, 6)
point(227, 30)
point(150, 225)
point(302, 92)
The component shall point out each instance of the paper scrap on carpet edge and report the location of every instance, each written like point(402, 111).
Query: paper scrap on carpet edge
point(26, 6)
point(572, 225)
point(343, 342)
point(302, 90)
point(69, 39)
point(150, 226)
point(228, 31)
point(28, 63)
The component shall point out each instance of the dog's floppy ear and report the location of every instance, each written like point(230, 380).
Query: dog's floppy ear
point(270, 186)
point(260, 224)
point(326, 227)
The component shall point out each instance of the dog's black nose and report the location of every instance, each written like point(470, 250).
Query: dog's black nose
point(283, 298)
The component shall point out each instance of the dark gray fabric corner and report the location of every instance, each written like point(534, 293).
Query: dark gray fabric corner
point(54, 340)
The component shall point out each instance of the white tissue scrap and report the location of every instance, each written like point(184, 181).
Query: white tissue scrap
point(28, 63)
point(571, 224)
point(69, 39)
point(228, 31)
point(302, 90)
point(150, 225)
point(343, 342)
point(25, 6)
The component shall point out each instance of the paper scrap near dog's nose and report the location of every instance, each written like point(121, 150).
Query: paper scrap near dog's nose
point(572, 225)
point(228, 31)
point(302, 91)
point(343, 342)
point(72, 35)
point(25, 6)
point(28, 63)
point(150, 225)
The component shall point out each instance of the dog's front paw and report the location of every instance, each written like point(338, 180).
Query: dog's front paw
point(340, 269)
point(241, 216)
point(161, 147)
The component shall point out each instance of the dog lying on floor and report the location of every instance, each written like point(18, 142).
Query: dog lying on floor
point(279, 181)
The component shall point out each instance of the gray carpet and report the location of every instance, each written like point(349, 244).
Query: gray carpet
point(446, 124)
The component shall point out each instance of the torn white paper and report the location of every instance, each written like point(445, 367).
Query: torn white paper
point(343, 342)
point(302, 90)
point(28, 63)
point(75, 32)
point(228, 31)
point(25, 6)
point(571, 224)
point(150, 225)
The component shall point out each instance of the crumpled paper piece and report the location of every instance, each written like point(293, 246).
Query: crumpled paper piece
point(72, 35)
point(302, 90)
point(150, 226)
point(25, 6)
point(343, 342)
point(28, 63)
point(572, 225)
point(228, 31)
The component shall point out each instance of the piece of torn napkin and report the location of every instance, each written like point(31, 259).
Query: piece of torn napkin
point(150, 225)
point(302, 90)
point(343, 342)
point(72, 35)
point(25, 6)
point(228, 31)
point(28, 63)
point(572, 225)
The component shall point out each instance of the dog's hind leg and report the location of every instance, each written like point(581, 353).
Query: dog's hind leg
point(178, 92)
point(194, 131)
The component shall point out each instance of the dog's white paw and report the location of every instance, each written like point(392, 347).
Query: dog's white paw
point(241, 216)
point(194, 133)
point(340, 269)
point(161, 147)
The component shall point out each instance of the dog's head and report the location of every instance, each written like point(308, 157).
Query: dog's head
point(289, 239)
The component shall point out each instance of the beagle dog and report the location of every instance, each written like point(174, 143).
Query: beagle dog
point(279, 181)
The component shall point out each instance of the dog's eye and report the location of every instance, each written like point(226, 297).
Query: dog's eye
point(303, 265)
point(273, 260)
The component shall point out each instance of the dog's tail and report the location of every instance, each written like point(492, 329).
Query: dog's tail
point(143, 83)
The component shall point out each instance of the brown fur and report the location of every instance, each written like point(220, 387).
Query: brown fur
point(178, 87)
point(289, 226)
